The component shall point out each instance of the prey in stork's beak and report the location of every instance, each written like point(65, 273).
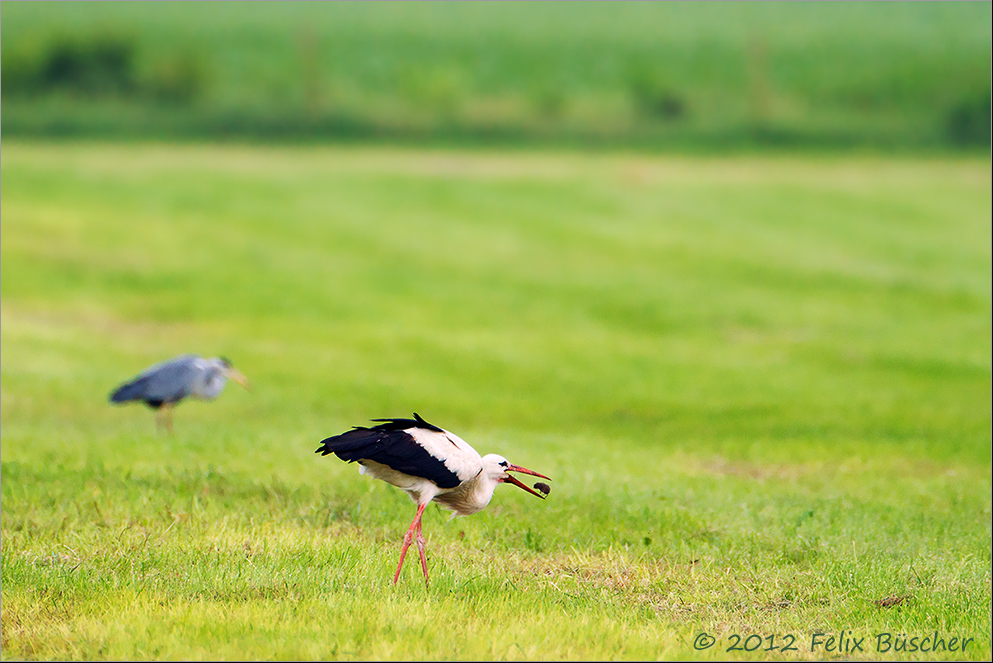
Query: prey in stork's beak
point(523, 470)
point(239, 377)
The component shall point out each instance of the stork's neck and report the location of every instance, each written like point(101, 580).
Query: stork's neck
point(483, 491)
point(470, 497)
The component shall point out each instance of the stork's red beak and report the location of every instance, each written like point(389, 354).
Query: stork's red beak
point(523, 470)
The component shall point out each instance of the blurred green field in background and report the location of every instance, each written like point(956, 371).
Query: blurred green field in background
point(761, 386)
point(686, 75)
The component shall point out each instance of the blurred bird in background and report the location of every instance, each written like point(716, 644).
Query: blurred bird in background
point(163, 385)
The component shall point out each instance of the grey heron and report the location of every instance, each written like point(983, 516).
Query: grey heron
point(163, 385)
point(429, 463)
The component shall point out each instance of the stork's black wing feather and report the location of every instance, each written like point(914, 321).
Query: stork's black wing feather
point(403, 424)
point(389, 444)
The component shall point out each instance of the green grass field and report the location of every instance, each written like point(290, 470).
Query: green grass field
point(690, 75)
point(761, 386)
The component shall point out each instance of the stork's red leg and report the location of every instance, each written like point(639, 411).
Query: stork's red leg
point(408, 538)
point(420, 548)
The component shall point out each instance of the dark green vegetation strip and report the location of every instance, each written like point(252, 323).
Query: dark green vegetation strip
point(909, 75)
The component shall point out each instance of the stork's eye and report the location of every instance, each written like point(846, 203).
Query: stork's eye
point(503, 463)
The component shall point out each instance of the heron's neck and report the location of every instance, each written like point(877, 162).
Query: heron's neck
point(213, 383)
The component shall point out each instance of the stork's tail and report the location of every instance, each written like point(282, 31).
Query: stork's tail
point(353, 445)
point(338, 443)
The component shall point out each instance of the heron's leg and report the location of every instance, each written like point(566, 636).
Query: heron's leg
point(165, 416)
point(408, 538)
point(420, 548)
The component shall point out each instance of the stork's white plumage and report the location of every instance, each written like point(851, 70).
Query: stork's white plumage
point(429, 463)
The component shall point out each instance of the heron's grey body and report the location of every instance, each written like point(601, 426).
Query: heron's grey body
point(163, 385)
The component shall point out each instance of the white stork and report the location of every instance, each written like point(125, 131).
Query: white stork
point(429, 463)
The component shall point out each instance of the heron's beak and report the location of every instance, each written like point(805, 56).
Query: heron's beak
point(240, 378)
point(524, 470)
